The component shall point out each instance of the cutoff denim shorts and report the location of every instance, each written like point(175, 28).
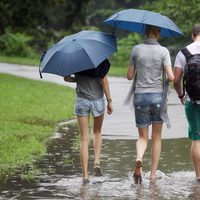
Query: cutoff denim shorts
point(192, 112)
point(147, 108)
point(84, 107)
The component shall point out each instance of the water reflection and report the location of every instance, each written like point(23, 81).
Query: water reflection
point(61, 177)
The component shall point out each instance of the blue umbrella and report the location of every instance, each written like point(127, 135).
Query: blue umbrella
point(135, 20)
point(78, 52)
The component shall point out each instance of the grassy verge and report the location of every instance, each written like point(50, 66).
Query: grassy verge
point(118, 71)
point(29, 113)
point(22, 61)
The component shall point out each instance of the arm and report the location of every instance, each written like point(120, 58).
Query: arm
point(69, 79)
point(106, 89)
point(178, 73)
point(130, 72)
point(169, 73)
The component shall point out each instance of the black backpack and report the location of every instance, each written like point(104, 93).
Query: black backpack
point(191, 78)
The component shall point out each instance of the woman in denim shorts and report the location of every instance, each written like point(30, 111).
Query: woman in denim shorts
point(146, 66)
point(90, 99)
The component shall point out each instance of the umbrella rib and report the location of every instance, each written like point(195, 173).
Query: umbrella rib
point(87, 52)
point(101, 42)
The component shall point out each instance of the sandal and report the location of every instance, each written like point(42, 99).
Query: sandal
point(137, 173)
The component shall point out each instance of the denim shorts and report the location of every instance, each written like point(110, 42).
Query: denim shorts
point(147, 108)
point(84, 107)
point(192, 112)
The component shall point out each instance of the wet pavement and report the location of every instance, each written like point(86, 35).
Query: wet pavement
point(61, 172)
point(121, 124)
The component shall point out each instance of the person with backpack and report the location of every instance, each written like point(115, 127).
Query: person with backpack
point(187, 69)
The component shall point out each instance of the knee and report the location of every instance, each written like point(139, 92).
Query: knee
point(144, 137)
point(97, 132)
point(84, 138)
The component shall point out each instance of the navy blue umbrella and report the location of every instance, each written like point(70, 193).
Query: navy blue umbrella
point(135, 20)
point(78, 52)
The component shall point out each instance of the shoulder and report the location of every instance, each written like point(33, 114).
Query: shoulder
point(136, 47)
point(180, 55)
point(180, 60)
point(194, 48)
point(163, 49)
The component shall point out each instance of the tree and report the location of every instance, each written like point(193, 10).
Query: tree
point(182, 12)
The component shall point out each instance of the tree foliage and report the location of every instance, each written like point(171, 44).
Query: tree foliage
point(183, 12)
point(47, 21)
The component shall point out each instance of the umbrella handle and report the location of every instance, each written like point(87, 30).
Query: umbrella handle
point(113, 31)
point(40, 73)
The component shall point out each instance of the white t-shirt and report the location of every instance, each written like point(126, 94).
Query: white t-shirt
point(180, 61)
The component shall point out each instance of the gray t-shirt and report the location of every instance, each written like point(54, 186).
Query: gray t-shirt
point(149, 59)
point(88, 87)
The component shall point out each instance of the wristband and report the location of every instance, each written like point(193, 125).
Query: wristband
point(109, 99)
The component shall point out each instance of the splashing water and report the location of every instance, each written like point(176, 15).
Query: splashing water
point(61, 178)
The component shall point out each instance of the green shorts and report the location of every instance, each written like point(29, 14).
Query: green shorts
point(193, 117)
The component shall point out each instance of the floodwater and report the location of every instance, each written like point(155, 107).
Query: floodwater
point(61, 172)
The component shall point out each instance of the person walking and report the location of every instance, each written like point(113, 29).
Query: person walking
point(148, 61)
point(187, 66)
point(90, 91)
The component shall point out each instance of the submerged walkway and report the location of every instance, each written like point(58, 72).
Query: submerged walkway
point(121, 124)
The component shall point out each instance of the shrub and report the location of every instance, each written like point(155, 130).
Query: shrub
point(16, 44)
point(125, 45)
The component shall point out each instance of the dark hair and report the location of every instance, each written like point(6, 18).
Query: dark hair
point(152, 29)
point(196, 30)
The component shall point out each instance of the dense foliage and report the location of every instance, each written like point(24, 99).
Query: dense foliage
point(40, 23)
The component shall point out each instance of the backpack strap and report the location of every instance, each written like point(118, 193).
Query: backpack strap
point(187, 55)
point(186, 52)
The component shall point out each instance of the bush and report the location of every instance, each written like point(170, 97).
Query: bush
point(125, 45)
point(16, 44)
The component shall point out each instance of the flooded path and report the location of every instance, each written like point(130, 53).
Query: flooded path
point(61, 172)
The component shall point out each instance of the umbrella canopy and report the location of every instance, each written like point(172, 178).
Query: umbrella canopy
point(78, 52)
point(136, 20)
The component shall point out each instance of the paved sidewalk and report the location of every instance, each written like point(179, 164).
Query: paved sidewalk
point(121, 124)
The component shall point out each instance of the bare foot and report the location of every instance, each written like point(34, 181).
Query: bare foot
point(137, 172)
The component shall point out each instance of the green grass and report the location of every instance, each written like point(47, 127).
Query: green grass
point(118, 71)
point(29, 112)
point(19, 60)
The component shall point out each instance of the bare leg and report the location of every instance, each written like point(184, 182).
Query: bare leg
point(142, 143)
point(156, 148)
point(97, 142)
point(141, 147)
point(195, 152)
point(84, 143)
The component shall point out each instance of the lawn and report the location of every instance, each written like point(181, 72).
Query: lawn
point(19, 60)
point(29, 113)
